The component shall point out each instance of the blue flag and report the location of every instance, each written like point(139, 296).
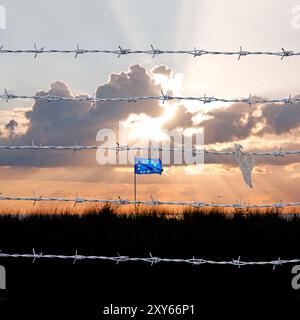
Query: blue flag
point(147, 166)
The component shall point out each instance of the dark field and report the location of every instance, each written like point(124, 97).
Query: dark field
point(87, 286)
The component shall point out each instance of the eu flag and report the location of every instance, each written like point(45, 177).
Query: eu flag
point(147, 166)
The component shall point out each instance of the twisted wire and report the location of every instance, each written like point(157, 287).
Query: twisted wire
point(151, 259)
point(152, 202)
point(151, 51)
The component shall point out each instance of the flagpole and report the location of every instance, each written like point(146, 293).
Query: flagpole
point(134, 182)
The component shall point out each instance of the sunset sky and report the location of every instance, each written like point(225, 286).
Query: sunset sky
point(177, 24)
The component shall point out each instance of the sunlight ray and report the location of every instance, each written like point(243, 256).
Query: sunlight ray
point(126, 16)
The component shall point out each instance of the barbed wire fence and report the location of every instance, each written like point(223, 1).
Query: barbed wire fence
point(163, 97)
point(152, 51)
point(119, 148)
point(151, 259)
point(153, 202)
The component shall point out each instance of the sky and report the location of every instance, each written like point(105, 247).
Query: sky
point(213, 25)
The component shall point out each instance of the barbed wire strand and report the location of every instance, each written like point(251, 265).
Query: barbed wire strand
point(152, 202)
point(151, 259)
point(118, 148)
point(163, 97)
point(36, 51)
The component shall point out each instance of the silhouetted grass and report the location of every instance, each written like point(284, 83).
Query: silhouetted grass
point(207, 233)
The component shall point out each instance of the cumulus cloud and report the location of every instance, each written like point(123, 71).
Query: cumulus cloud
point(135, 82)
point(63, 122)
point(163, 70)
point(280, 119)
point(229, 124)
point(182, 118)
point(240, 121)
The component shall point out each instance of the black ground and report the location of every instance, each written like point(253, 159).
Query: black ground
point(87, 286)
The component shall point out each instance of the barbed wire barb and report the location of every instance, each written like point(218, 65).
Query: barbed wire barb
point(36, 255)
point(278, 154)
point(123, 51)
point(8, 96)
point(37, 51)
point(198, 53)
point(36, 198)
point(156, 52)
point(289, 100)
point(76, 257)
point(79, 51)
point(286, 53)
point(76, 148)
point(78, 200)
point(242, 53)
point(238, 261)
point(278, 263)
